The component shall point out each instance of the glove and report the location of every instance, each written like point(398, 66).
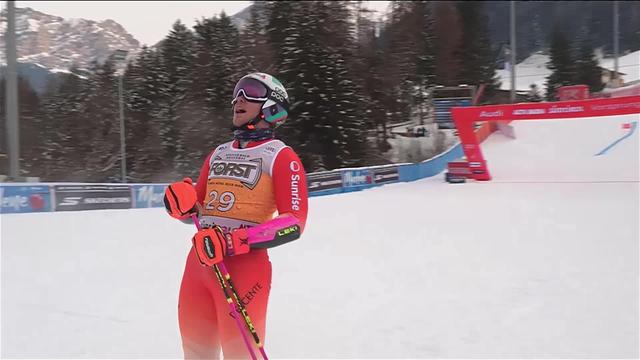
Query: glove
point(180, 199)
point(212, 245)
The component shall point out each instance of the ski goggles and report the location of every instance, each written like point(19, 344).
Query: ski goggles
point(251, 89)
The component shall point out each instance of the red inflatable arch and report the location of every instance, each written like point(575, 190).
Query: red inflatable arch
point(465, 117)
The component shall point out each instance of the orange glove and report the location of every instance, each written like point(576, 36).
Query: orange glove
point(212, 245)
point(180, 199)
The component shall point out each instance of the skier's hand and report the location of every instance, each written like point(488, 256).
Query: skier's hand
point(212, 245)
point(180, 199)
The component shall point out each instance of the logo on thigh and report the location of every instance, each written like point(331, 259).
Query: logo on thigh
point(249, 296)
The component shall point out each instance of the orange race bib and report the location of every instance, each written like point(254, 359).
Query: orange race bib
point(240, 187)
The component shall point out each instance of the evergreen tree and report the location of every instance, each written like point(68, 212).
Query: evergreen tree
point(148, 141)
point(400, 61)
point(287, 28)
point(535, 35)
point(344, 95)
point(377, 110)
point(448, 35)
point(178, 55)
point(560, 63)
point(64, 134)
point(102, 161)
point(215, 74)
point(475, 55)
point(410, 59)
point(312, 44)
point(587, 70)
point(368, 71)
point(257, 55)
point(425, 69)
point(29, 131)
point(425, 63)
point(207, 75)
point(281, 23)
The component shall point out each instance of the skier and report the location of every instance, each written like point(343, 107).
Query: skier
point(241, 185)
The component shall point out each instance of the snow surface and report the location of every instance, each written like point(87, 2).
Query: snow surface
point(543, 145)
point(417, 149)
point(34, 25)
point(60, 71)
point(73, 22)
point(628, 64)
point(533, 70)
point(541, 262)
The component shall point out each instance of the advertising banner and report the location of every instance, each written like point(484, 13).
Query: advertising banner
point(92, 197)
point(549, 110)
point(385, 175)
point(458, 168)
point(356, 178)
point(573, 92)
point(324, 181)
point(24, 199)
point(148, 196)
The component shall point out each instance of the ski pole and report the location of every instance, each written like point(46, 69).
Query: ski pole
point(221, 271)
point(229, 300)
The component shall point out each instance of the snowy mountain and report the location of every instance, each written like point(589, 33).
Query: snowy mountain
point(58, 43)
point(37, 75)
point(242, 17)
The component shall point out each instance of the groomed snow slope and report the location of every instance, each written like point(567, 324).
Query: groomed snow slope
point(541, 262)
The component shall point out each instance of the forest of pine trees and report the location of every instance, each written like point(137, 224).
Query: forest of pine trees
point(348, 78)
point(571, 65)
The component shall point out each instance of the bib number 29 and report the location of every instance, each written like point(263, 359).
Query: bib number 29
point(222, 203)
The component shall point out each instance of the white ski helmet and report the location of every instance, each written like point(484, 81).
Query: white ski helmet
point(264, 88)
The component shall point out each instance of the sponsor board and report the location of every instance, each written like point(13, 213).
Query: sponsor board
point(92, 197)
point(354, 178)
point(24, 199)
point(324, 181)
point(385, 175)
point(459, 167)
point(148, 196)
point(491, 114)
point(573, 92)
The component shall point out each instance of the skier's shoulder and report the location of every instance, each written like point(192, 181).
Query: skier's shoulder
point(223, 146)
point(217, 151)
point(287, 155)
point(281, 150)
point(276, 144)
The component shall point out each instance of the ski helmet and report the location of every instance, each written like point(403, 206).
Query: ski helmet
point(264, 88)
